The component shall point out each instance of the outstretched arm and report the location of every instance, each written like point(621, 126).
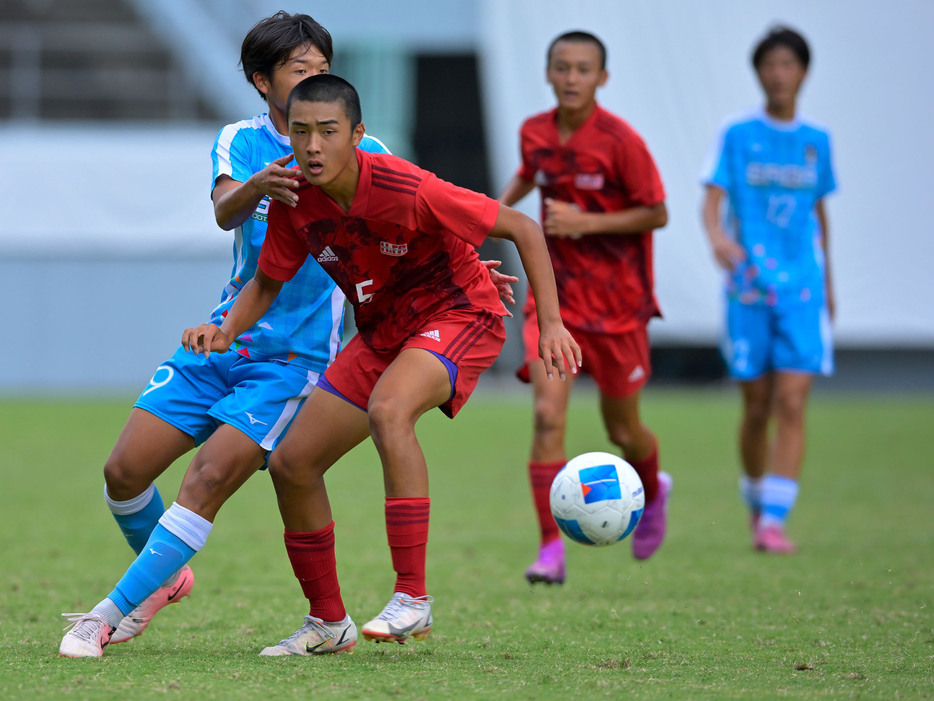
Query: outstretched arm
point(254, 299)
point(556, 346)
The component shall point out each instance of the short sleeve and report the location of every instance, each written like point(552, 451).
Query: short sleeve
point(826, 179)
point(283, 252)
point(638, 172)
point(232, 155)
point(445, 208)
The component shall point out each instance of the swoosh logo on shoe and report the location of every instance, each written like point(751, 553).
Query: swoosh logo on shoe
point(312, 648)
point(403, 632)
point(175, 593)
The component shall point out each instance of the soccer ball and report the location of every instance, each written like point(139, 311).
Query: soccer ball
point(597, 499)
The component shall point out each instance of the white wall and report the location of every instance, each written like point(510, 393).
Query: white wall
point(677, 68)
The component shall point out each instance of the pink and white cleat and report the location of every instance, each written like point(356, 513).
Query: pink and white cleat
point(135, 621)
point(88, 637)
point(650, 531)
point(772, 539)
point(549, 567)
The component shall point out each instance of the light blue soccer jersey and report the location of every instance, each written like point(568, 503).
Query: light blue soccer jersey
point(774, 173)
point(305, 323)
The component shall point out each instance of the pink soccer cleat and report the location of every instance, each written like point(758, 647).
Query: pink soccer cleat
point(136, 621)
point(549, 567)
point(772, 539)
point(650, 531)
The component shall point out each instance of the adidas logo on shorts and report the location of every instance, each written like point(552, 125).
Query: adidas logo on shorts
point(637, 374)
point(433, 335)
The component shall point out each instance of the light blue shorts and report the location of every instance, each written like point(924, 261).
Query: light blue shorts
point(196, 395)
point(762, 338)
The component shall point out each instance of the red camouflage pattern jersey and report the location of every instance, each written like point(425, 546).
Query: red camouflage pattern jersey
point(405, 251)
point(605, 281)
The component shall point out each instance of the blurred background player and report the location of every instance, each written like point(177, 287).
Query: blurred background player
point(773, 169)
point(401, 243)
point(601, 198)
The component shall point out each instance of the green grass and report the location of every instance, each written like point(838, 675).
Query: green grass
point(850, 616)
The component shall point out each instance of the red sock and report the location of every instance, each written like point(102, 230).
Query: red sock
point(647, 469)
point(541, 475)
point(407, 532)
point(315, 567)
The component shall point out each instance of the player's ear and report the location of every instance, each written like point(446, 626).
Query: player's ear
point(358, 133)
point(604, 76)
point(261, 81)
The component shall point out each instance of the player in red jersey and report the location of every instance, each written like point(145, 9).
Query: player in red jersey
point(401, 244)
point(601, 199)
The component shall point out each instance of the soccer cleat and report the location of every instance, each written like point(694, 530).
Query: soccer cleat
point(136, 621)
point(316, 637)
point(403, 616)
point(88, 637)
point(549, 567)
point(650, 531)
point(772, 539)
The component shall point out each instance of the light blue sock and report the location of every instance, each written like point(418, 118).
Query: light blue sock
point(778, 498)
point(179, 534)
point(137, 516)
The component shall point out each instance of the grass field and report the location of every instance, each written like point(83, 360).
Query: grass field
point(850, 616)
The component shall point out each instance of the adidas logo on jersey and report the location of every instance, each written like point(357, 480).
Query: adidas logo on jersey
point(433, 335)
point(637, 374)
point(327, 256)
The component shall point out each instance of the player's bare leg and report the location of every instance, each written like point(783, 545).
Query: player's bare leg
point(623, 423)
point(547, 457)
point(414, 383)
point(146, 447)
point(780, 485)
point(324, 429)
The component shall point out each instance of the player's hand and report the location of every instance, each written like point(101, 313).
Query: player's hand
point(502, 283)
point(278, 182)
point(558, 350)
point(563, 219)
point(204, 339)
point(727, 252)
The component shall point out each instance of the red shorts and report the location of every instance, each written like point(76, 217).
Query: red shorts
point(469, 340)
point(619, 363)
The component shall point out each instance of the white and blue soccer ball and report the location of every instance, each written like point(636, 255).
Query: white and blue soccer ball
point(597, 499)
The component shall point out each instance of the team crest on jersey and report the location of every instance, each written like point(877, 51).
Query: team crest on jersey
point(393, 249)
point(589, 181)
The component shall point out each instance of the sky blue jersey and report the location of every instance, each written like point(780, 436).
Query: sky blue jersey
point(304, 325)
point(774, 173)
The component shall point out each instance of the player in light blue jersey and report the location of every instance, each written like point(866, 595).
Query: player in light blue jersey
point(765, 218)
point(235, 406)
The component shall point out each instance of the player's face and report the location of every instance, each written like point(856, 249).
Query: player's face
point(306, 60)
point(323, 142)
point(781, 74)
point(574, 73)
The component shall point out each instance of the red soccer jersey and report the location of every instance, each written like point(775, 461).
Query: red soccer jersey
point(405, 251)
point(605, 281)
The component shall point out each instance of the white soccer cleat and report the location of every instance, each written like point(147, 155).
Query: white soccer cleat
point(135, 621)
point(403, 616)
point(316, 637)
point(88, 637)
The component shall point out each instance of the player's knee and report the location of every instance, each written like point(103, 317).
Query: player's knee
point(120, 478)
point(549, 419)
point(790, 407)
point(387, 419)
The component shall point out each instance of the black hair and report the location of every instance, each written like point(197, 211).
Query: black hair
point(326, 87)
point(271, 41)
point(580, 37)
point(782, 36)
